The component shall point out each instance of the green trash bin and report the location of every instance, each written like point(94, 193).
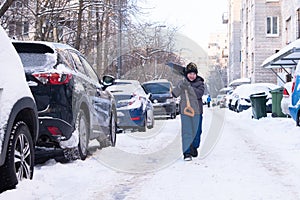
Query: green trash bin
point(258, 104)
point(277, 95)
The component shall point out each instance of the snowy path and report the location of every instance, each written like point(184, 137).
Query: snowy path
point(240, 167)
point(252, 159)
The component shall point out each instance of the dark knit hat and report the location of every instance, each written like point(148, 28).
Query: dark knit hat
point(191, 67)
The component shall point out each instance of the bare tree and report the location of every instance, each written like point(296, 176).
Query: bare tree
point(5, 7)
point(93, 27)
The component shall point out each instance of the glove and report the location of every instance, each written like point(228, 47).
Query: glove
point(184, 85)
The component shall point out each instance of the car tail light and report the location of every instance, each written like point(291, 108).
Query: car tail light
point(54, 130)
point(285, 92)
point(293, 86)
point(53, 78)
point(135, 118)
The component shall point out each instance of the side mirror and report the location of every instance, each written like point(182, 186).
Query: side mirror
point(108, 80)
point(149, 95)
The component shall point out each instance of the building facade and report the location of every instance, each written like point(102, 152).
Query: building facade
point(290, 11)
point(260, 38)
point(234, 38)
point(266, 26)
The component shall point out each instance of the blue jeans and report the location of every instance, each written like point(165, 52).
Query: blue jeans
point(191, 129)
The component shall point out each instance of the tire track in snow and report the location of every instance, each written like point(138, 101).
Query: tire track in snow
point(271, 161)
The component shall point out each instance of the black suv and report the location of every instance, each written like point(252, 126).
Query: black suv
point(18, 119)
point(161, 97)
point(73, 105)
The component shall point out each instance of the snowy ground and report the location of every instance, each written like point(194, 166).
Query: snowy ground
point(251, 159)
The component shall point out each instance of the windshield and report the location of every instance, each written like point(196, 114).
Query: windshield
point(122, 99)
point(157, 88)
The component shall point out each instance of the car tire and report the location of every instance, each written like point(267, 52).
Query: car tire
point(82, 127)
point(19, 163)
point(236, 109)
point(173, 115)
point(113, 129)
point(143, 127)
point(152, 123)
point(111, 140)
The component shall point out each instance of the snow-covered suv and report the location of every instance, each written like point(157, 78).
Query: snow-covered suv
point(18, 119)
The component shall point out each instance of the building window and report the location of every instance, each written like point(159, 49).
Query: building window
point(272, 26)
point(25, 28)
point(11, 30)
point(288, 31)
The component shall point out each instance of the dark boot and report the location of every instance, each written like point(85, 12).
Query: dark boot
point(194, 151)
point(187, 157)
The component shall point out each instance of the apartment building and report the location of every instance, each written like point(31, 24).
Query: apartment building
point(217, 62)
point(218, 49)
point(283, 62)
point(260, 38)
point(234, 39)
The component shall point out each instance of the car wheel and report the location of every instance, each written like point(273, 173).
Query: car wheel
point(152, 123)
point(143, 127)
point(236, 108)
point(19, 163)
point(82, 127)
point(173, 115)
point(113, 129)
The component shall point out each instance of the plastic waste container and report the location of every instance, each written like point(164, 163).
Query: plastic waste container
point(258, 104)
point(277, 95)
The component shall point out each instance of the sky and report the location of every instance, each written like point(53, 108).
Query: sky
point(251, 159)
point(196, 19)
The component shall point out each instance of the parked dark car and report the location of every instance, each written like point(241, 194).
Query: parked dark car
point(134, 109)
point(18, 119)
point(161, 96)
point(73, 106)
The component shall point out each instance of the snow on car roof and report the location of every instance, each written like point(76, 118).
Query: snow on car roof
point(126, 81)
point(157, 81)
point(126, 88)
point(239, 81)
point(246, 90)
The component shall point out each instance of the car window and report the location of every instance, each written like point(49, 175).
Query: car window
point(37, 56)
point(37, 60)
point(122, 99)
point(157, 88)
point(89, 69)
point(77, 62)
point(63, 58)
